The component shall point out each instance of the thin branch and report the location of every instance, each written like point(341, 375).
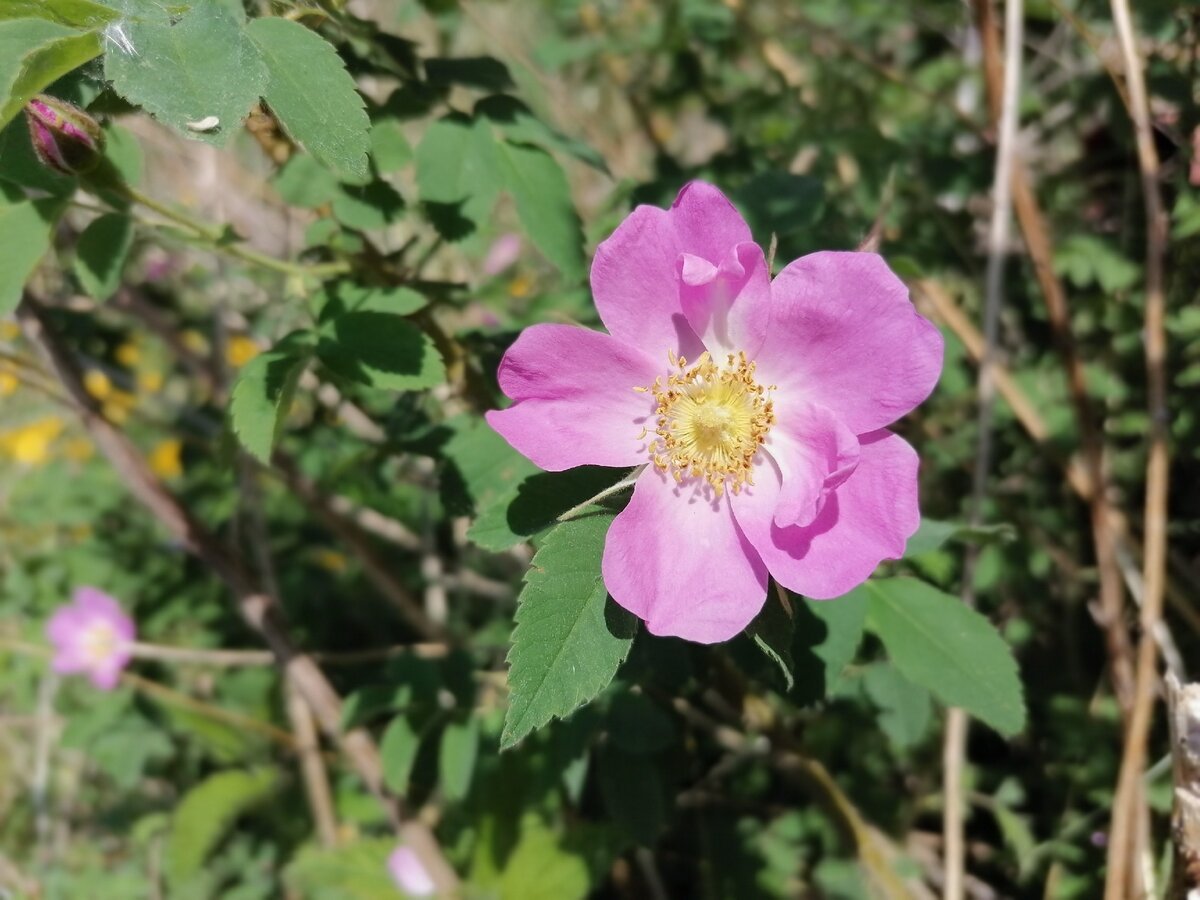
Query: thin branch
point(255, 607)
point(231, 658)
point(312, 767)
point(1127, 838)
point(999, 231)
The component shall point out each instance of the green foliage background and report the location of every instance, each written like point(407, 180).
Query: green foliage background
point(300, 336)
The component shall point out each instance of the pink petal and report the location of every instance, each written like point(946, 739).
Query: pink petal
point(677, 560)
point(729, 305)
point(106, 677)
point(505, 251)
point(97, 605)
point(815, 453)
point(410, 873)
point(576, 403)
point(634, 276)
point(66, 624)
point(869, 518)
point(845, 335)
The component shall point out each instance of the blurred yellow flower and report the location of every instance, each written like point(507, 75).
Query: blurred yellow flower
point(128, 354)
point(8, 383)
point(240, 350)
point(520, 286)
point(9, 331)
point(165, 459)
point(118, 407)
point(195, 341)
point(97, 384)
point(330, 560)
point(29, 445)
point(79, 449)
point(150, 382)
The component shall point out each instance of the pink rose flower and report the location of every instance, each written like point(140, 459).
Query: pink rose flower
point(410, 873)
point(91, 635)
point(761, 405)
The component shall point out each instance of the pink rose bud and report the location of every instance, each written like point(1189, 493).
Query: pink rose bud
point(65, 138)
point(91, 636)
point(410, 873)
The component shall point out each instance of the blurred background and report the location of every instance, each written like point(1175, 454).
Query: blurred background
point(833, 124)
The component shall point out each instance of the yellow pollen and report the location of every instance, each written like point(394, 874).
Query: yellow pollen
point(100, 642)
point(710, 420)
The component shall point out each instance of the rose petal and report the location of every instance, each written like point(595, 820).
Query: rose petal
point(868, 519)
point(728, 305)
point(845, 335)
point(634, 275)
point(815, 453)
point(576, 403)
point(677, 560)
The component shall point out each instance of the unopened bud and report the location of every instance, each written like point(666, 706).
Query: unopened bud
point(65, 138)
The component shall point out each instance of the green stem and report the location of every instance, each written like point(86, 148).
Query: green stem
point(625, 482)
point(215, 236)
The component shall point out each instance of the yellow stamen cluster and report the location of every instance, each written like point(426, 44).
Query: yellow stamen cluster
point(710, 420)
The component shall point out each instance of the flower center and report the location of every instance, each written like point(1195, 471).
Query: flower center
point(711, 420)
point(100, 642)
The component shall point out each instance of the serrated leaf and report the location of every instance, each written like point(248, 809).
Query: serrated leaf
point(381, 350)
point(457, 175)
point(938, 642)
point(201, 67)
point(544, 204)
point(398, 749)
point(827, 635)
point(33, 54)
point(456, 758)
point(313, 95)
point(516, 122)
point(772, 631)
point(101, 253)
point(73, 13)
point(356, 871)
point(306, 183)
point(570, 638)
point(539, 869)
point(905, 710)
point(207, 812)
point(262, 396)
point(25, 230)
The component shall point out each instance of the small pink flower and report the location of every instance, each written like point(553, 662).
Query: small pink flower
point(761, 404)
point(505, 251)
point(93, 636)
point(410, 873)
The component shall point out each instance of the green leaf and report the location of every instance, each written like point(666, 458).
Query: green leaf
point(25, 230)
point(381, 350)
point(544, 204)
point(482, 464)
point(827, 635)
point(33, 54)
point(772, 631)
point(263, 394)
point(356, 871)
point(101, 253)
point(346, 296)
point(517, 123)
point(200, 68)
point(457, 175)
point(456, 758)
point(539, 869)
point(398, 748)
point(569, 638)
point(938, 642)
point(389, 147)
point(518, 511)
point(369, 207)
point(632, 790)
point(933, 534)
point(905, 710)
point(306, 183)
point(75, 13)
point(207, 812)
point(313, 95)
